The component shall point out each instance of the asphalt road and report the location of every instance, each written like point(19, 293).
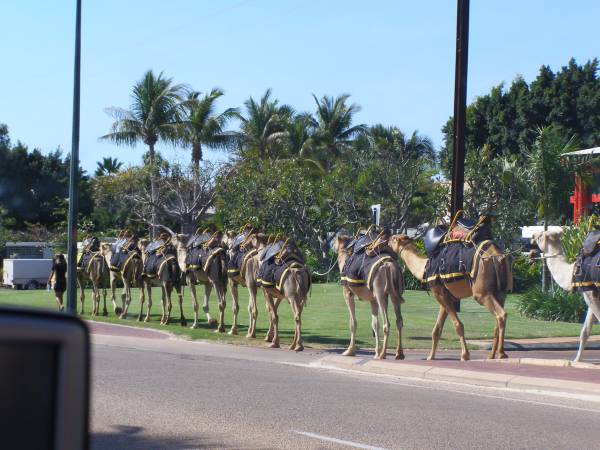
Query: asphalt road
point(158, 394)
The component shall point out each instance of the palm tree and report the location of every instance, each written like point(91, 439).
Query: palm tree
point(549, 175)
point(107, 166)
point(392, 141)
point(334, 132)
point(263, 125)
point(202, 126)
point(152, 117)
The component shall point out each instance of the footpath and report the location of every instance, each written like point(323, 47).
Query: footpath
point(537, 369)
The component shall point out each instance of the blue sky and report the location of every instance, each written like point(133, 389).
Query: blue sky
point(396, 58)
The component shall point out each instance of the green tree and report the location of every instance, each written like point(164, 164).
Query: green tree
point(263, 126)
point(334, 133)
point(107, 166)
point(153, 116)
point(203, 126)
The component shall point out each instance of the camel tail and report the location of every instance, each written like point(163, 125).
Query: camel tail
point(504, 275)
point(224, 277)
point(395, 283)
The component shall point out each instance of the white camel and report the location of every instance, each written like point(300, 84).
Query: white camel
point(562, 273)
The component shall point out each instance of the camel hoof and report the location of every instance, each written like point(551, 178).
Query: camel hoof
point(430, 357)
point(400, 355)
point(213, 322)
point(465, 357)
point(502, 356)
point(123, 316)
point(147, 319)
point(220, 330)
point(118, 310)
point(250, 336)
point(139, 318)
point(194, 326)
point(233, 331)
point(268, 338)
point(105, 313)
point(299, 348)
point(274, 345)
point(349, 352)
point(183, 323)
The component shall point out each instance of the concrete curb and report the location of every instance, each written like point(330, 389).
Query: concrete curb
point(542, 362)
point(514, 346)
point(460, 376)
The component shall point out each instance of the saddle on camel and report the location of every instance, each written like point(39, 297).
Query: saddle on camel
point(158, 253)
point(240, 252)
point(369, 250)
point(91, 249)
point(124, 250)
point(453, 251)
point(279, 256)
point(202, 247)
point(586, 273)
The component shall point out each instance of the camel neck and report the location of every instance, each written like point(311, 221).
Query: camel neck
point(560, 269)
point(414, 262)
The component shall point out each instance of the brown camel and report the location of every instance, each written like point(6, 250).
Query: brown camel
point(168, 278)
point(294, 288)
point(95, 271)
point(130, 275)
point(212, 275)
point(492, 281)
point(247, 277)
point(386, 282)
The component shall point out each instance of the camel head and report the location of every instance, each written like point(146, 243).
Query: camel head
point(142, 244)
point(548, 241)
point(179, 240)
point(340, 242)
point(106, 249)
point(399, 242)
point(258, 240)
point(228, 238)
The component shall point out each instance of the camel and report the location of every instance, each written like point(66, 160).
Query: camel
point(387, 283)
point(214, 275)
point(168, 277)
point(294, 289)
point(95, 271)
point(489, 287)
point(130, 275)
point(246, 278)
point(562, 272)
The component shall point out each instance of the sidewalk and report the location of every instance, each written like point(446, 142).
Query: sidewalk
point(552, 343)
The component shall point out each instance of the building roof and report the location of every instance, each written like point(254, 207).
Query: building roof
point(586, 152)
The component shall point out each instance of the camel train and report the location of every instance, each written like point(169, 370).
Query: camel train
point(462, 260)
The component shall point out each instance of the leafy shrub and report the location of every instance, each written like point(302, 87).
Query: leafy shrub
point(573, 237)
point(555, 305)
point(525, 274)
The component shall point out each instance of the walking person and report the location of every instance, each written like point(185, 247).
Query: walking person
point(58, 274)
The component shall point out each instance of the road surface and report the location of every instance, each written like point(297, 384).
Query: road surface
point(155, 393)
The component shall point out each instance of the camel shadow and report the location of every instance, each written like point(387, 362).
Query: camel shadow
point(133, 437)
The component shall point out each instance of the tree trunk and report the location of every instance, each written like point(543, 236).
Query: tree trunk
point(196, 156)
point(188, 227)
point(153, 191)
point(545, 277)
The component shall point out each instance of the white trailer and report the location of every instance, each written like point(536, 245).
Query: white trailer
point(26, 273)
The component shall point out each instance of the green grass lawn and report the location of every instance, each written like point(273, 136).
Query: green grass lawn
point(324, 320)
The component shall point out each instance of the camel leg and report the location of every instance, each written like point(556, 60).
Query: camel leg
point(437, 331)
point(182, 319)
point(142, 300)
point(235, 307)
point(350, 303)
point(81, 293)
point(192, 287)
point(297, 310)
point(207, 290)
point(104, 311)
point(399, 325)
point(95, 299)
point(113, 295)
point(375, 325)
point(149, 289)
point(382, 301)
point(252, 311)
point(491, 303)
point(163, 299)
point(273, 303)
point(271, 331)
point(168, 292)
point(586, 330)
point(460, 330)
point(126, 297)
point(222, 305)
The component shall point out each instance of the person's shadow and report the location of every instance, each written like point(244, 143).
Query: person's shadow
point(131, 437)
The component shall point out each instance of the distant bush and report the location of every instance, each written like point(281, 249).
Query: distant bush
point(526, 275)
point(573, 236)
point(555, 305)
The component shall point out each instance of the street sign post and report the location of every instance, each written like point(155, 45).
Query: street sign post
point(74, 172)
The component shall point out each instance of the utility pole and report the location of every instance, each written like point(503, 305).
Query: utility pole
point(460, 108)
point(74, 172)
